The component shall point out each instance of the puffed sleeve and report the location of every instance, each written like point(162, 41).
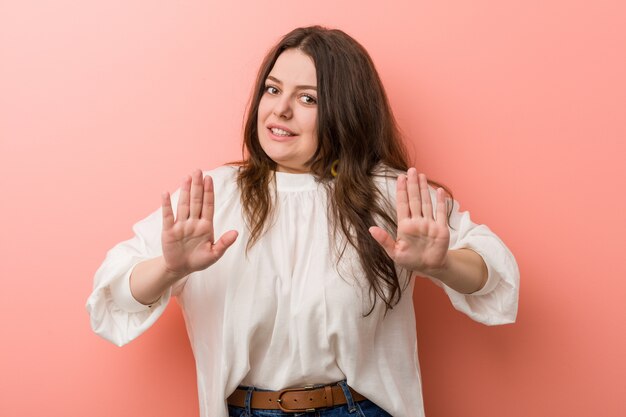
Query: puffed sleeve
point(114, 313)
point(496, 302)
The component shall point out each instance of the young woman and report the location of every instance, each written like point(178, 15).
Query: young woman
point(303, 304)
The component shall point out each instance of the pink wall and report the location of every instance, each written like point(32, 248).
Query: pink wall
point(518, 106)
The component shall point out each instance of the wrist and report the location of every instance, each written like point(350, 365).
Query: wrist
point(438, 271)
point(462, 270)
point(168, 275)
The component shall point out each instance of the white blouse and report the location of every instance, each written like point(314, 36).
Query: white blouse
point(286, 314)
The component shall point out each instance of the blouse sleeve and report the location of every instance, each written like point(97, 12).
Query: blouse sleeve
point(496, 302)
point(114, 313)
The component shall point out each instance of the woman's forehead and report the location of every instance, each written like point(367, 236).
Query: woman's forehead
point(294, 67)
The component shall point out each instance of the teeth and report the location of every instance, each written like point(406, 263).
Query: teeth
point(280, 132)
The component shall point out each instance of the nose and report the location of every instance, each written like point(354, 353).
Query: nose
point(282, 107)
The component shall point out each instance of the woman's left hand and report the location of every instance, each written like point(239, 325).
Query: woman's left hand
point(423, 235)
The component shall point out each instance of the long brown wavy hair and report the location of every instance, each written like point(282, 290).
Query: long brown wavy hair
point(355, 126)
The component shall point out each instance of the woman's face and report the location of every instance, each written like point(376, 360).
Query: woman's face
point(287, 117)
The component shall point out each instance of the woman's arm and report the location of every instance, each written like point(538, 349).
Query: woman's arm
point(423, 238)
point(150, 279)
point(144, 269)
point(187, 241)
point(465, 271)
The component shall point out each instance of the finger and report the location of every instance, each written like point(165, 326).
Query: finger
point(224, 242)
point(208, 200)
point(382, 237)
point(182, 211)
point(402, 199)
point(413, 189)
point(197, 191)
point(442, 215)
point(427, 204)
point(166, 208)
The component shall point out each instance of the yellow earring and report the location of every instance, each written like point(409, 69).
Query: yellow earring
point(333, 167)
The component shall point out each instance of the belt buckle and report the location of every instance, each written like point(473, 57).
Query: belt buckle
point(282, 392)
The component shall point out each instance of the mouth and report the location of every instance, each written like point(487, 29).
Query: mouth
point(280, 132)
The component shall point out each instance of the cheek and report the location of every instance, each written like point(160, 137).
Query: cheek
point(312, 143)
point(263, 111)
point(311, 123)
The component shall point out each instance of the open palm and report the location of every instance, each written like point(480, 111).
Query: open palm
point(188, 241)
point(422, 238)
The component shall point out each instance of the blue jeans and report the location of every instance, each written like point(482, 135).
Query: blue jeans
point(364, 408)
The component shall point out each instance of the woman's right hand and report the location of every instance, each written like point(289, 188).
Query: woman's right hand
point(187, 241)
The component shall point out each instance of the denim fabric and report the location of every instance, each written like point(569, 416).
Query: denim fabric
point(364, 408)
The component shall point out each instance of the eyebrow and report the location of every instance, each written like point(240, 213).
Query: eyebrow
point(298, 87)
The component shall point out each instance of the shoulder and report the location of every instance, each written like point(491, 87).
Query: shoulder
point(385, 178)
point(224, 181)
point(223, 176)
point(383, 173)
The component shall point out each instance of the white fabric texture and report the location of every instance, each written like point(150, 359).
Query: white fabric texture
point(286, 315)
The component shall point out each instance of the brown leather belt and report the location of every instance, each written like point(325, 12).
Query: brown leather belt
point(293, 400)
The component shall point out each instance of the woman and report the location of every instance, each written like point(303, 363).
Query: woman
point(304, 303)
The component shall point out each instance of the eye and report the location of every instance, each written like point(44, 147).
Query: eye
point(307, 99)
point(271, 90)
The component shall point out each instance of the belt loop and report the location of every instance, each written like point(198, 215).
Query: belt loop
point(346, 391)
point(248, 401)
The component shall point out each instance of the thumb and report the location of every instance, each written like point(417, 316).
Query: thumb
point(382, 237)
point(224, 242)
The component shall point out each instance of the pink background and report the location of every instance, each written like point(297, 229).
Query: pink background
point(518, 106)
